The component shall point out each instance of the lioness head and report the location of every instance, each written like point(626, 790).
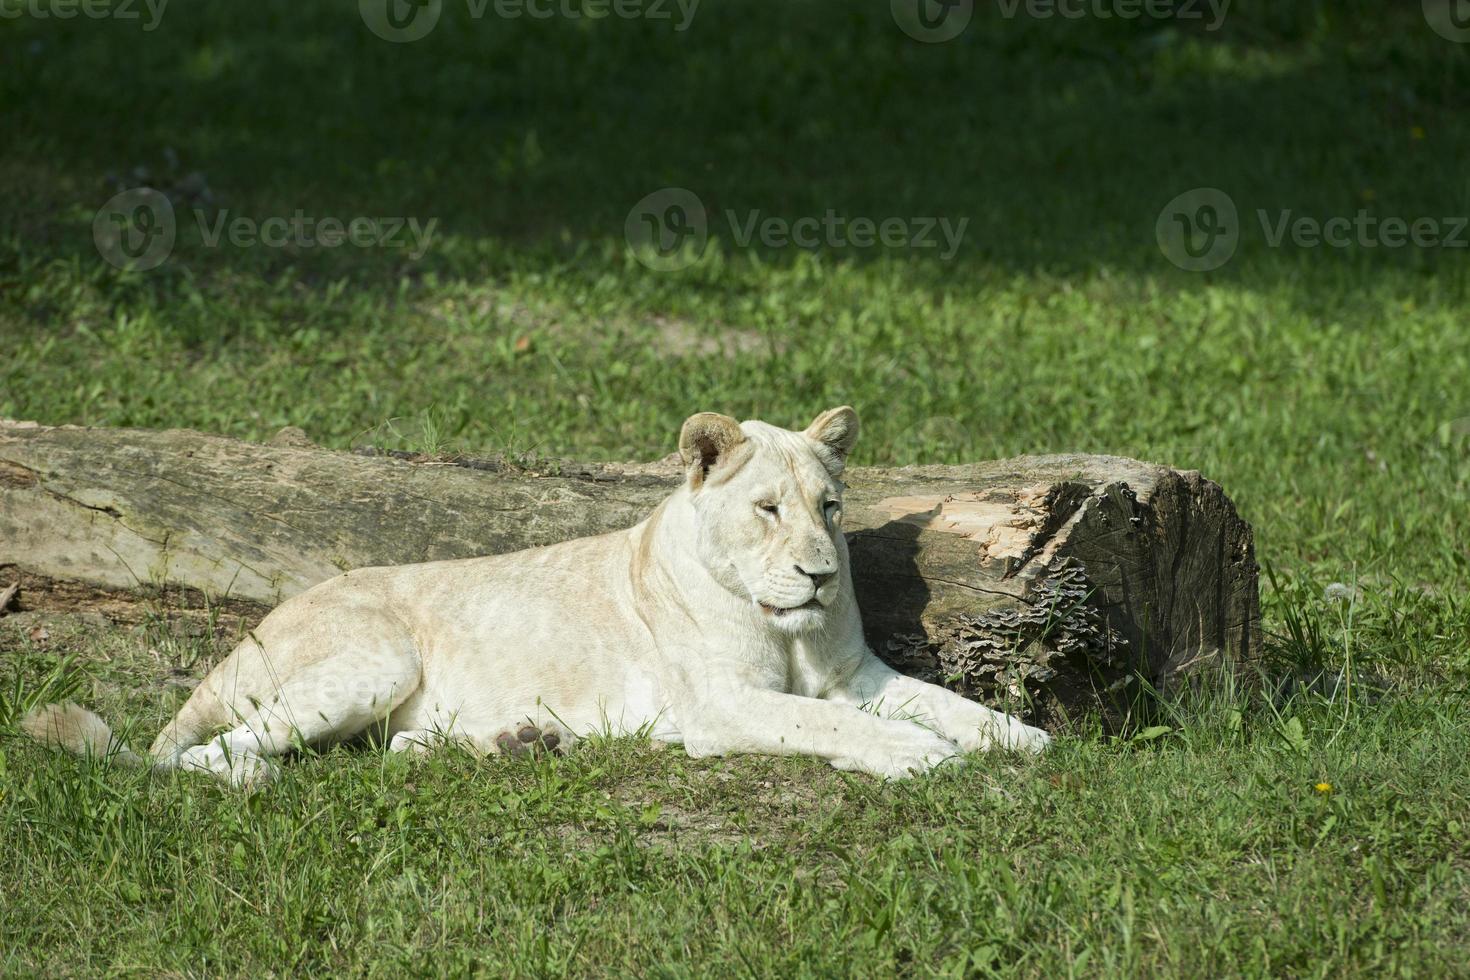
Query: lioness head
point(769, 509)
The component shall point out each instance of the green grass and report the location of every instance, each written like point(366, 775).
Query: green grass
point(1205, 851)
point(1327, 389)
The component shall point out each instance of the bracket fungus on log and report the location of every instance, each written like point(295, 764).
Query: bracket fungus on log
point(1048, 584)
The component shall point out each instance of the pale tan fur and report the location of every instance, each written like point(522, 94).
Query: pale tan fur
point(726, 621)
point(75, 730)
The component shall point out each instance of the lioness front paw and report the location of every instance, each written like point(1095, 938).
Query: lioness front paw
point(1021, 738)
point(930, 751)
point(912, 755)
point(1007, 733)
point(1031, 739)
point(237, 767)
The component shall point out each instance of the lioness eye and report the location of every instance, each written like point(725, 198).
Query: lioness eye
point(766, 507)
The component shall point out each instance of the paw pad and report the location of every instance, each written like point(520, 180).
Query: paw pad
point(526, 741)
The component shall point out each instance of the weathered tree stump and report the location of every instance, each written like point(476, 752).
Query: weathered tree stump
point(1055, 585)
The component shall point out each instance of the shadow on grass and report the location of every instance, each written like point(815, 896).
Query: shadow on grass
point(1057, 141)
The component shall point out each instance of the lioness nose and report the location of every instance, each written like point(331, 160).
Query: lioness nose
point(818, 578)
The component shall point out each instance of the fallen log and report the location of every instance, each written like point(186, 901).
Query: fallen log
point(1058, 586)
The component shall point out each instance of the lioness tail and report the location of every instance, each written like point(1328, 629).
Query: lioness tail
point(78, 731)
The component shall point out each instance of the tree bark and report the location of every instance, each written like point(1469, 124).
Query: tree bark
point(1051, 585)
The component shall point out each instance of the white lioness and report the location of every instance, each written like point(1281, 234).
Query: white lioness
point(726, 621)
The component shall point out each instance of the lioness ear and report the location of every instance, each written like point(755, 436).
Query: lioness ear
point(835, 432)
point(706, 439)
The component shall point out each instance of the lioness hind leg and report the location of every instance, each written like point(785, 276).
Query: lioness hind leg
point(326, 701)
point(418, 740)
